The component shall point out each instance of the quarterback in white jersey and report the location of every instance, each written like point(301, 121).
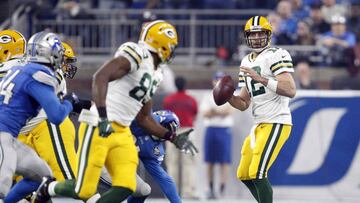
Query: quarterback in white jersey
point(122, 90)
point(267, 83)
point(267, 105)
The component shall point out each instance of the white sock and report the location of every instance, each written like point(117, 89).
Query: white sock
point(51, 188)
point(93, 198)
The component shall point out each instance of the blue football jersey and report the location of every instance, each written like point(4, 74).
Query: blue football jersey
point(16, 103)
point(148, 146)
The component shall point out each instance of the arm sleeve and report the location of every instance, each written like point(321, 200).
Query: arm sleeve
point(166, 183)
point(282, 62)
point(45, 96)
point(131, 52)
point(351, 39)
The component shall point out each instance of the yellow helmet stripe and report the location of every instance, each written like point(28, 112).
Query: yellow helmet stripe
point(147, 27)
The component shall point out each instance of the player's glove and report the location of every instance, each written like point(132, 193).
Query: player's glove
point(72, 98)
point(105, 128)
point(182, 142)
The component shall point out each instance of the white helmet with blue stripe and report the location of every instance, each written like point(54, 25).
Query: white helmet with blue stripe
point(45, 47)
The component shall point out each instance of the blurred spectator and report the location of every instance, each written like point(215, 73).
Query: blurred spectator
point(354, 18)
point(167, 85)
point(353, 66)
point(287, 28)
point(300, 10)
point(275, 21)
point(222, 56)
point(115, 4)
point(176, 4)
point(336, 42)
point(317, 23)
point(72, 9)
point(330, 8)
point(181, 167)
point(255, 4)
point(303, 76)
point(216, 4)
point(43, 9)
point(218, 121)
point(311, 2)
point(303, 34)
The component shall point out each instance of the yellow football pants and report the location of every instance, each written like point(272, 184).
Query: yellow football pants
point(117, 152)
point(56, 145)
point(269, 139)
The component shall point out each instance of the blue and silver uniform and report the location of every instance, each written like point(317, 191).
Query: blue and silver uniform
point(23, 91)
point(149, 146)
point(151, 154)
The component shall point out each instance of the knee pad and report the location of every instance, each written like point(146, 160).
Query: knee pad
point(142, 188)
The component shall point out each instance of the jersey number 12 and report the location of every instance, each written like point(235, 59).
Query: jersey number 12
point(261, 89)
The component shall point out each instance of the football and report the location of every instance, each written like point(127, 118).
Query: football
point(223, 90)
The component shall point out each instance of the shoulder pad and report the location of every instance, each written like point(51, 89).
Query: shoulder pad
point(45, 78)
point(132, 51)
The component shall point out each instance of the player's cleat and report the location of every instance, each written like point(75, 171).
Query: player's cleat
point(42, 195)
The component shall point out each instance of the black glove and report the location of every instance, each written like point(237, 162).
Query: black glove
point(182, 142)
point(78, 104)
point(72, 98)
point(105, 128)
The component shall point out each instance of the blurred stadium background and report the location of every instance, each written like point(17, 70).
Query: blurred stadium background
point(321, 161)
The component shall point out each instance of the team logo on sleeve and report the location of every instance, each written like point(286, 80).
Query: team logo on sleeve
point(4, 39)
point(156, 151)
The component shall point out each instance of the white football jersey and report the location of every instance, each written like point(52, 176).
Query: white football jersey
point(127, 95)
point(267, 105)
point(61, 91)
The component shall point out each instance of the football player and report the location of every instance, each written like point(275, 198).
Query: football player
point(12, 50)
point(265, 75)
point(151, 153)
point(23, 90)
point(53, 143)
point(122, 90)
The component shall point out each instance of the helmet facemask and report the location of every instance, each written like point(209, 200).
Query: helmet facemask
point(170, 57)
point(69, 67)
point(257, 33)
point(258, 40)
